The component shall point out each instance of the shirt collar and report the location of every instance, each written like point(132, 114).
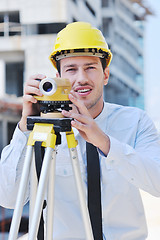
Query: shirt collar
point(103, 114)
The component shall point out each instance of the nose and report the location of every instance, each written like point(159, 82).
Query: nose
point(82, 77)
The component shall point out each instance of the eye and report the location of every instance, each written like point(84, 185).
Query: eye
point(90, 68)
point(70, 70)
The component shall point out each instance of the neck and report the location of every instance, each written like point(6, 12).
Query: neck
point(95, 111)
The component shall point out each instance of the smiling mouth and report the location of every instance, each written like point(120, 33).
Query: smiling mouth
point(83, 90)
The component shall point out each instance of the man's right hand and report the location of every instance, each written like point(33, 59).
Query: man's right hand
point(30, 106)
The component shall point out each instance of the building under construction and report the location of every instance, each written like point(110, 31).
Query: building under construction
point(27, 33)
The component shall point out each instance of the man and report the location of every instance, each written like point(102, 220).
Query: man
point(126, 139)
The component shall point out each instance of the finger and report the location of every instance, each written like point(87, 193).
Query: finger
point(32, 87)
point(29, 98)
point(32, 90)
point(82, 128)
point(74, 108)
point(79, 104)
point(77, 125)
point(79, 117)
point(38, 76)
point(36, 79)
point(33, 80)
point(33, 83)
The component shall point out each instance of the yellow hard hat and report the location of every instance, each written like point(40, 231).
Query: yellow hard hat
point(80, 39)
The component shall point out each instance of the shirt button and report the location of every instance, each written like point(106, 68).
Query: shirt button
point(65, 172)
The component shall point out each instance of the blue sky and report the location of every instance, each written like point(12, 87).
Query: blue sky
point(152, 62)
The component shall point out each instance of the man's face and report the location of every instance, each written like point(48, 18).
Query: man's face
point(87, 78)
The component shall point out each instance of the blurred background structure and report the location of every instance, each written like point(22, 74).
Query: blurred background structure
point(151, 66)
point(27, 33)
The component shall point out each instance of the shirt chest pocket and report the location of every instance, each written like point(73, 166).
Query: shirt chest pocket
point(64, 162)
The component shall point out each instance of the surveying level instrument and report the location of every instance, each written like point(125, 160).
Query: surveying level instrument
point(47, 129)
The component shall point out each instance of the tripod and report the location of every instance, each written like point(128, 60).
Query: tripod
point(48, 132)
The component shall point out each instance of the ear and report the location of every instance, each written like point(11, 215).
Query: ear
point(106, 75)
point(57, 75)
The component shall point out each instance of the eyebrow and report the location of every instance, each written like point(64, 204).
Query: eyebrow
point(86, 64)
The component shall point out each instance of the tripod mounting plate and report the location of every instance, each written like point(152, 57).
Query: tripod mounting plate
point(60, 124)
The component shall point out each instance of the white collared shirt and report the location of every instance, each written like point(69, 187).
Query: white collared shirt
point(133, 163)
